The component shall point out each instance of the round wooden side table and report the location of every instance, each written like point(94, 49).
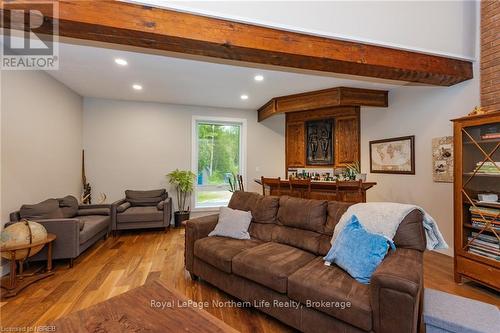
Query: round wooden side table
point(17, 282)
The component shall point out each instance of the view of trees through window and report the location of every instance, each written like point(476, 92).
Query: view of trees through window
point(218, 161)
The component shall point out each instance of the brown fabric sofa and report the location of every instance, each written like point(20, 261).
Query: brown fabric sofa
point(77, 227)
point(142, 209)
point(282, 262)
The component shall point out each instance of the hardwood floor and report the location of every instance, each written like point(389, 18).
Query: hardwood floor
point(122, 263)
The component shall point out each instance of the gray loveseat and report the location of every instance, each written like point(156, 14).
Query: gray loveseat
point(142, 210)
point(77, 227)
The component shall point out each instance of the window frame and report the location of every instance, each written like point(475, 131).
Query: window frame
point(242, 122)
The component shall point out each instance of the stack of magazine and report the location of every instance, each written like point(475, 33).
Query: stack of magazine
point(480, 214)
point(490, 131)
point(485, 245)
point(488, 168)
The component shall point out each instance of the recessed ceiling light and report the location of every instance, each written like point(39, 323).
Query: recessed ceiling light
point(121, 62)
point(244, 97)
point(258, 77)
point(137, 87)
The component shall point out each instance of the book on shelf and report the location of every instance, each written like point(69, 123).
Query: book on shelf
point(488, 238)
point(485, 250)
point(484, 254)
point(482, 225)
point(489, 203)
point(490, 131)
point(488, 219)
point(484, 245)
point(490, 136)
point(485, 211)
point(487, 167)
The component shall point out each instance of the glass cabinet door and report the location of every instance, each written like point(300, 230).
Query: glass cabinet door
point(481, 190)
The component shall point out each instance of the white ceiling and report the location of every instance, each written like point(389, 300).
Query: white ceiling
point(91, 71)
point(438, 27)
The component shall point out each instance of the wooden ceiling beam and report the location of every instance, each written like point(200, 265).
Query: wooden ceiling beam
point(160, 29)
point(326, 98)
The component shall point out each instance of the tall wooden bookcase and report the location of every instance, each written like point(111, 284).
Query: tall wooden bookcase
point(476, 148)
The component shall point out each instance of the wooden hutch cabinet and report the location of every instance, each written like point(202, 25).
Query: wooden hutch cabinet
point(477, 222)
point(346, 137)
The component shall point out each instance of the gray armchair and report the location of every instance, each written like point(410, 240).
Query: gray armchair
point(142, 210)
point(77, 227)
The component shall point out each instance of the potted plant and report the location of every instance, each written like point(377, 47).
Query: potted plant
point(183, 180)
point(353, 171)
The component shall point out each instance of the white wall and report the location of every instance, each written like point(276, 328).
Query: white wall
point(133, 145)
point(41, 139)
point(424, 112)
point(402, 24)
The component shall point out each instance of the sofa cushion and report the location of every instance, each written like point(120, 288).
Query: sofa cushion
point(316, 282)
point(123, 207)
point(302, 214)
point(263, 208)
point(48, 209)
point(219, 251)
point(69, 206)
point(140, 214)
point(335, 211)
point(145, 198)
point(303, 239)
point(93, 224)
point(358, 251)
point(270, 264)
point(262, 231)
point(94, 211)
point(132, 194)
point(232, 223)
point(324, 244)
point(151, 201)
point(410, 233)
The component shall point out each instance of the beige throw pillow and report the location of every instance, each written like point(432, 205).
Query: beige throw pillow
point(232, 223)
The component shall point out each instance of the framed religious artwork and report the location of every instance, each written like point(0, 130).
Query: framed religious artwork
point(319, 140)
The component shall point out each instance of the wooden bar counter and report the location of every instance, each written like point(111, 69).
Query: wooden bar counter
point(327, 190)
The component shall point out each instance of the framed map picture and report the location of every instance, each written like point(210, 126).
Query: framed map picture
point(395, 155)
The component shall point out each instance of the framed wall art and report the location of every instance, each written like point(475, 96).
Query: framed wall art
point(442, 159)
point(319, 139)
point(394, 155)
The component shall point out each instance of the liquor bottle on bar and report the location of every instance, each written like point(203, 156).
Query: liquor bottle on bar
point(323, 174)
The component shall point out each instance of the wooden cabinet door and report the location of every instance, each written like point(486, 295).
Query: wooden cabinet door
point(295, 154)
point(346, 140)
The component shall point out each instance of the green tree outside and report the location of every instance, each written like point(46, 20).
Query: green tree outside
point(218, 152)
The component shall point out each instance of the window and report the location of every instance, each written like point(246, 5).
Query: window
point(218, 156)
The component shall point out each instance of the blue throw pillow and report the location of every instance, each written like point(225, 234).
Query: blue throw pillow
point(358, 251)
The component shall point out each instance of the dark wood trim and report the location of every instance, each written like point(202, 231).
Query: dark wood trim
point(267, 110)
point(167, 30)
point(468, 265)
point(346, 191)
point(325, 98)
point(412, 145)
point(478, 117)
point(339, 141)
point(364, 97)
